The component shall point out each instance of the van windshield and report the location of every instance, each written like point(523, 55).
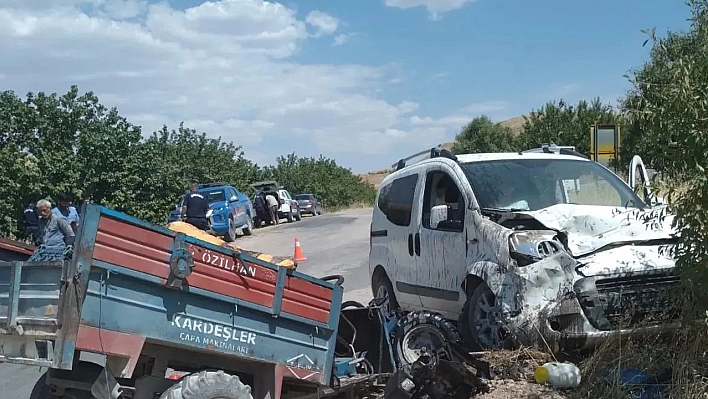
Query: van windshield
point(534, 184)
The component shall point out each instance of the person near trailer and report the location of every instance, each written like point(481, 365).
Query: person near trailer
point(65, 210)
point(30, 219)
point(57, 237)
point(262, 211)
point(195, 208)
point(273, 208)
point(85, 199)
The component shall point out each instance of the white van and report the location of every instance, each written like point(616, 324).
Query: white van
point(521, 248)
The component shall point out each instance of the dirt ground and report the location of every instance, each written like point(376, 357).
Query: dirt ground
point(513, 376)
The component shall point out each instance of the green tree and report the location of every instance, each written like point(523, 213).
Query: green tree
point(62, 143)
point(168, 161)
point(565, 124)
point(51, 143)
point(483, 135)
point(668, 106)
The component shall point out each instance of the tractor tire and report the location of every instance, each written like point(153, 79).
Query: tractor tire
point(208, 385)
point(413, 327)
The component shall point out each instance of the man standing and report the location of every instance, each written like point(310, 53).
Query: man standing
point(273, 207)
point(66, 211)
point(195, 208)
point(85, 199)
point(30, 218)
point(57, 238)
point(262, 211)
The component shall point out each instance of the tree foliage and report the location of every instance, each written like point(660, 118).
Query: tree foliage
point(483, 135)
point(565, 124)
point(72, 143)
point(668, 106)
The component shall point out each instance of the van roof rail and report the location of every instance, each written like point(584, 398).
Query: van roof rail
point(434, 152)
point(552, 148)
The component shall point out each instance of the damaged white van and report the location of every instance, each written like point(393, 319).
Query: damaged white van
point(535, 248)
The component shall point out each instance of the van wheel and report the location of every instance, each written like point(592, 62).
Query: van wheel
point(290, 216)
point(480, 323)
point(298, 216)
point(209, 385)
point(383, 288)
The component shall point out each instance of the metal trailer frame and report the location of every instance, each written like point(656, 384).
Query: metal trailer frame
point(149, 299)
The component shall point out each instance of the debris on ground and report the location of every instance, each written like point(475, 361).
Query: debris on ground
point(512, 389)
point(513, 375)
point(515, 365)
point(192, 231)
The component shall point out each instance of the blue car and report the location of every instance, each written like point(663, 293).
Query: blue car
point(230, 210)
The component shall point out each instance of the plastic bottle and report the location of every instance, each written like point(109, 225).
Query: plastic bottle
point(558, 375)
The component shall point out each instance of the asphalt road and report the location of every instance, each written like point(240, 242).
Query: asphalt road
point(335, 243)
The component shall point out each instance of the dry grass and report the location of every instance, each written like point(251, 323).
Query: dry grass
point(357, 205)
point(679, 360)
point(515, 124)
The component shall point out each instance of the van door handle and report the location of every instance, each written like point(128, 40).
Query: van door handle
point(410, 244)
point(417, 244)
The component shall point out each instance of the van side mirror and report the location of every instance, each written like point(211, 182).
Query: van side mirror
point(438, 214)
point(233, 198)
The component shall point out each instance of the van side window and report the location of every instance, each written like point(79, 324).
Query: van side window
point(396, 199)
point(440, 189)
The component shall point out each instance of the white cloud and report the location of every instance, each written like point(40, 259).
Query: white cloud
point(557, 92)
point(324, 23)
point(124, 9)
point(435, 7)
point(223, 67)
point(341, 39)
point(460, 118)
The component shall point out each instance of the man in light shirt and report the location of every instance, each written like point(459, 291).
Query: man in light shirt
point(273, 207)
point(57, 236)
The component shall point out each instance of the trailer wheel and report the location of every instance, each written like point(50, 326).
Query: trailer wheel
point(418, 330)
point(209, 385)
point(41, 389)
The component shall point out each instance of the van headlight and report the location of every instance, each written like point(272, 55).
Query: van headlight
point(536, 244)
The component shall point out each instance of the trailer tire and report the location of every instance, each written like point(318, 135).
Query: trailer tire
point(41, 389)
point(209, 385)
point(441, 332)
point(352, 304)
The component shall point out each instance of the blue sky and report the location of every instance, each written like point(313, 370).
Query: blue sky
point(364, 82)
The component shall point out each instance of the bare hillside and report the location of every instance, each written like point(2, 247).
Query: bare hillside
point(376, 177)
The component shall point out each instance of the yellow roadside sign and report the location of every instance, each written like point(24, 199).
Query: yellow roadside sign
point(605, 144)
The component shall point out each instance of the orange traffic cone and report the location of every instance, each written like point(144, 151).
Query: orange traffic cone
point(298, 257)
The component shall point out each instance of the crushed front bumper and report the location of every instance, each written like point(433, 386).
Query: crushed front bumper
point(603, 306)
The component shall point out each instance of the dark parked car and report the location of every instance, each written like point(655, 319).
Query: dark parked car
point(308, 203)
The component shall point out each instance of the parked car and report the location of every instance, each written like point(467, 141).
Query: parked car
point(289, 208)
point(309, 204)
point(230, 211)
point(523, 248)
